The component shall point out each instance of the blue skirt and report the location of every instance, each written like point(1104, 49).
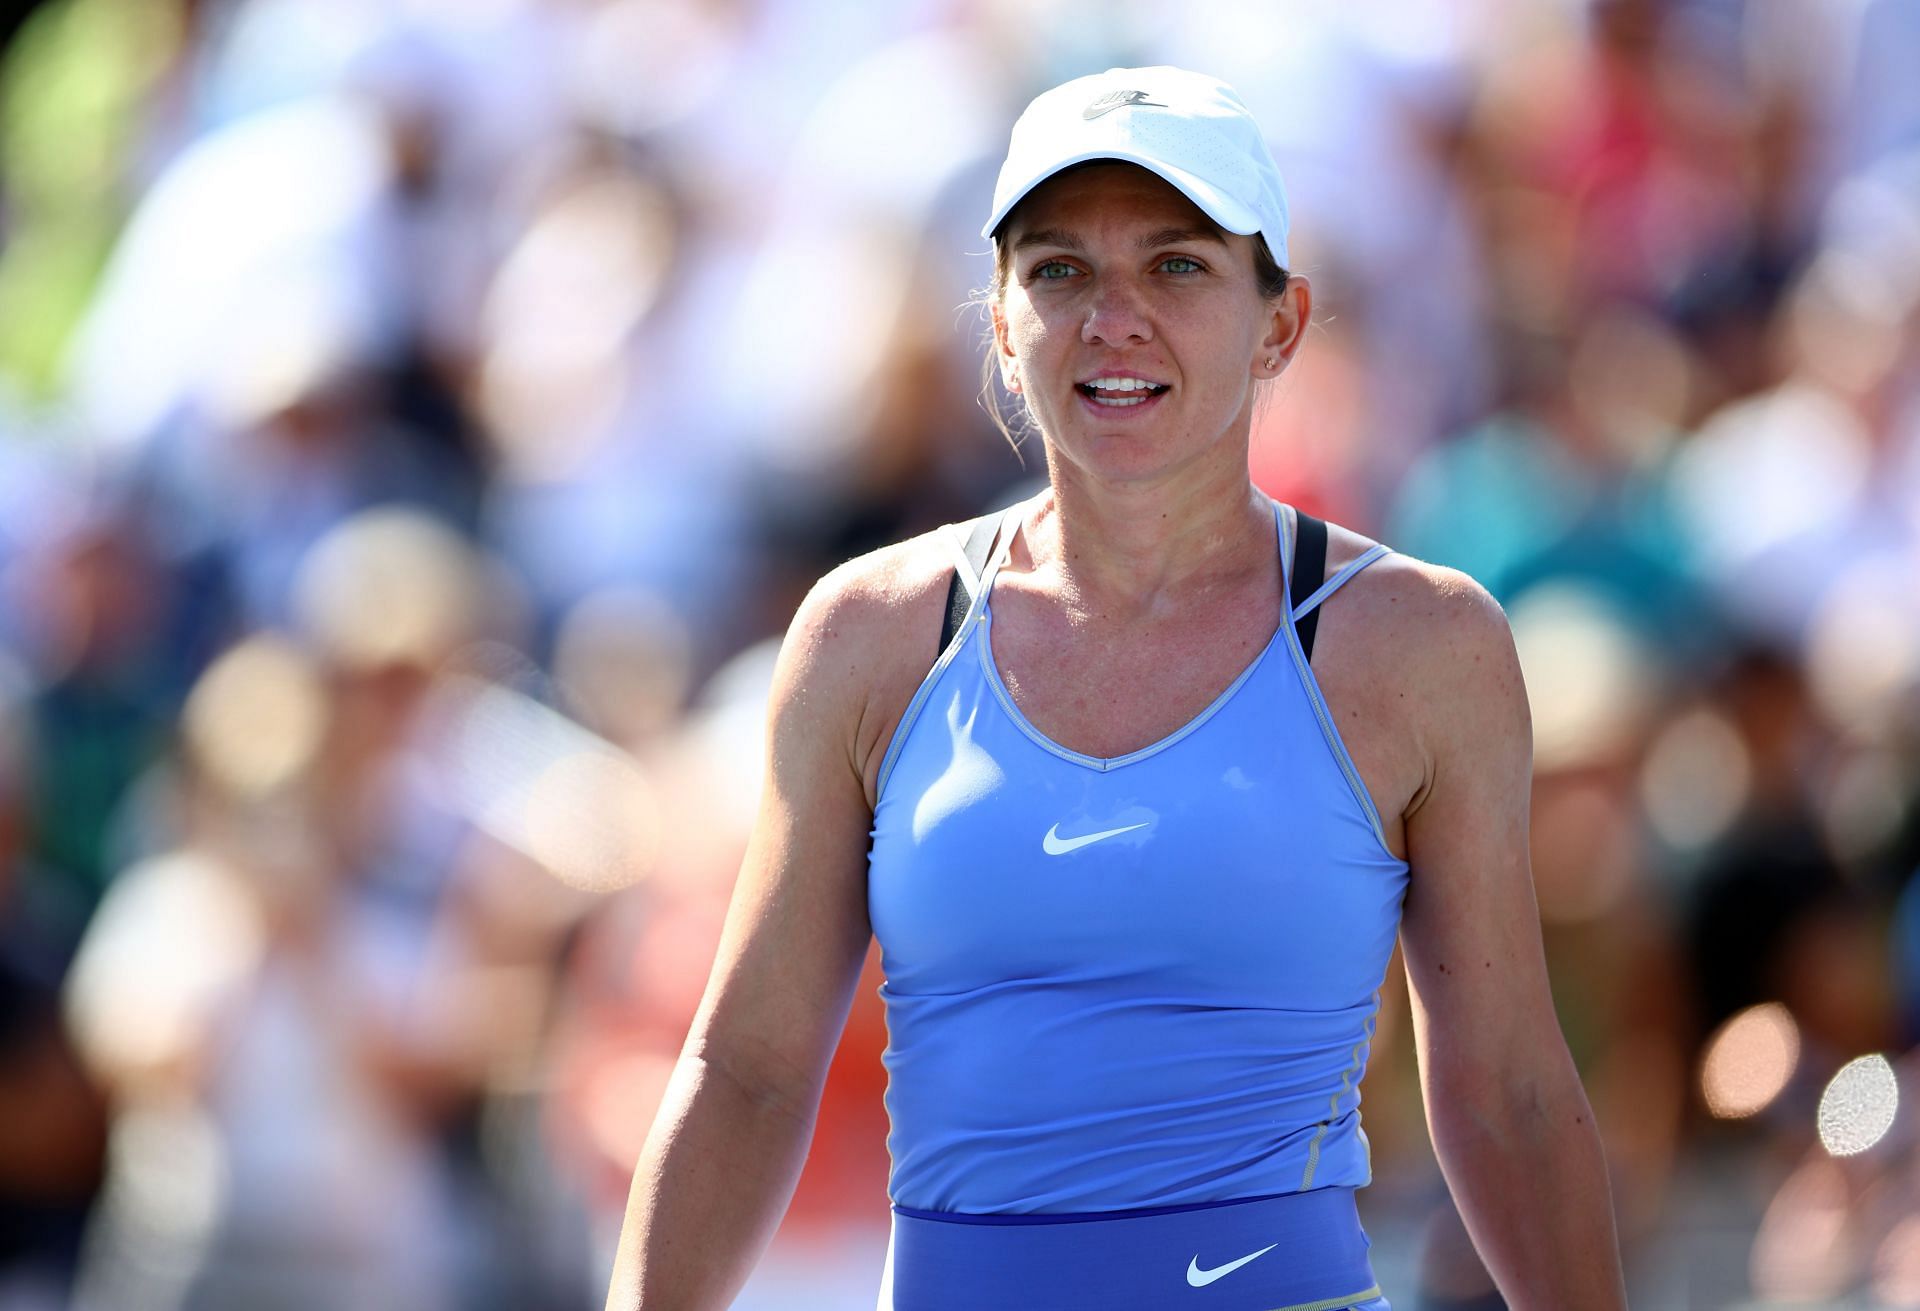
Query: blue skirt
point(1296, 1252)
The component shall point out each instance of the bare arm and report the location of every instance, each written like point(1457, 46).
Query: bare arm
point(1511, 1124)
point(726, 1148)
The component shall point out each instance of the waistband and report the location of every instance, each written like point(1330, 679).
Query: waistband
point(1296, 1252)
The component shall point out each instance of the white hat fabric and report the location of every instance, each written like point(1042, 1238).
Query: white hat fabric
point(1191, 129)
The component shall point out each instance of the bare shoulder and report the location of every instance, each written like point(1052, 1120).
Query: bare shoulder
point(858, 614)
point(1416, 664)
point(1439, 618)
point(860, 643)
point(1433, 622)
point(1428, 647)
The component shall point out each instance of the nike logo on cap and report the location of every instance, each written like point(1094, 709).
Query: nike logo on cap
point(1055, 845)
point(1201, 1278)
point(1115, 100)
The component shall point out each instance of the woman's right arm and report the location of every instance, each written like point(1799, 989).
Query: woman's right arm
point(720, 1163)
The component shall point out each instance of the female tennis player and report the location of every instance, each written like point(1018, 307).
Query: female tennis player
point(1137, 833)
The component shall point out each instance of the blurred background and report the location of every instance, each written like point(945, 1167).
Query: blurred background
point(419, 419)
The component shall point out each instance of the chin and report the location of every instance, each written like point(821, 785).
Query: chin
point(1119, 458)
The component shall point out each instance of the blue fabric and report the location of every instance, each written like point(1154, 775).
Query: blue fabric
point(1176, 1012)
point(1304, 1250)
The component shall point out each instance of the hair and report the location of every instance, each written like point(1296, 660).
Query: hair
point(1269, 276)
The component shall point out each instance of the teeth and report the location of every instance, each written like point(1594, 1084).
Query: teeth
point(1118, 392)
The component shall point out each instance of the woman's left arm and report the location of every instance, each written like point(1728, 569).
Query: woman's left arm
point(1510, 1121)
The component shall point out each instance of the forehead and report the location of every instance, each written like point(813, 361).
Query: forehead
point(1105, 192)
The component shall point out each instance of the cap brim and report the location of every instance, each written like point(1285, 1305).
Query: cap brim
point(1229, 214)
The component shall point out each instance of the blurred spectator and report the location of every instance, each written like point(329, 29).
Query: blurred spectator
point(52, 1117)
point(91, 611)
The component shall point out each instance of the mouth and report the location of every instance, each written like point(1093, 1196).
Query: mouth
point(1120, 393)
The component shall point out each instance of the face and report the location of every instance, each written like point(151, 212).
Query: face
point(1134, 330)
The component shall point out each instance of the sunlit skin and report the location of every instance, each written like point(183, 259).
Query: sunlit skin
point(1113, 269)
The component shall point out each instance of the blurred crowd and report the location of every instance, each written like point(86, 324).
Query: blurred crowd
point(419, 418)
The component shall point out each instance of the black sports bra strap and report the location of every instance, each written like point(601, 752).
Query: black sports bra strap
point(1309, 571)
point(979, 546)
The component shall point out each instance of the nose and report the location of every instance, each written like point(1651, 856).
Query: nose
point(1116, 315)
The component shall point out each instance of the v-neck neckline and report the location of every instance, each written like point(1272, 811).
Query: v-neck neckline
point(991, 668)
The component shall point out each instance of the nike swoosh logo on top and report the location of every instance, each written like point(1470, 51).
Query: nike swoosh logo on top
point(1117, 100)
point(1201, 1278)
point(1055, 845)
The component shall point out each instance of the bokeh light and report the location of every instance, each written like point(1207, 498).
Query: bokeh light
point(1858, 1106)
point(173, 940)
point(254, 720)
point(391, 585)
point(1749, 1061)
point(1696, 779)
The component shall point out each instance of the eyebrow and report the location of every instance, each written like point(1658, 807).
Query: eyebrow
point(1152, 241)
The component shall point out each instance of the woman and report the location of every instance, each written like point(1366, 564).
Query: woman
point(1136, 848)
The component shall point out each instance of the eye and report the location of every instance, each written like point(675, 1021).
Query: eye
point(1182, 264)
point(1053, 271)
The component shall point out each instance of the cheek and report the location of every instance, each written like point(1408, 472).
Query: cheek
point(1024, 326)
point(1032, 339)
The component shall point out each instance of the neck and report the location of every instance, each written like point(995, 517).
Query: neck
point(1129, 549)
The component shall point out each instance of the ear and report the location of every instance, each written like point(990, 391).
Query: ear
point(1003, 351)
point(1286, 328)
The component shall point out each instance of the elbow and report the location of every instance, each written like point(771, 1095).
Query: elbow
point(759, 1080)
point(1508, 1112)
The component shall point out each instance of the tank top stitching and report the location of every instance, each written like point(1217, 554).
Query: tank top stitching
point(1355, 1063)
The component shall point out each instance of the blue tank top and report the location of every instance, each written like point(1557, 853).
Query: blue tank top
point(1142, 981)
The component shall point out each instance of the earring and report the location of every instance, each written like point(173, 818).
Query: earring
point(1271, 363)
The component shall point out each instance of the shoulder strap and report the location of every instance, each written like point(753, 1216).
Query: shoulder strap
point(1309, 567)
point(979, 534)
point(1308, 611)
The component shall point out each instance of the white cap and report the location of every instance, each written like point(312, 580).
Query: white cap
point(1191, 129)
